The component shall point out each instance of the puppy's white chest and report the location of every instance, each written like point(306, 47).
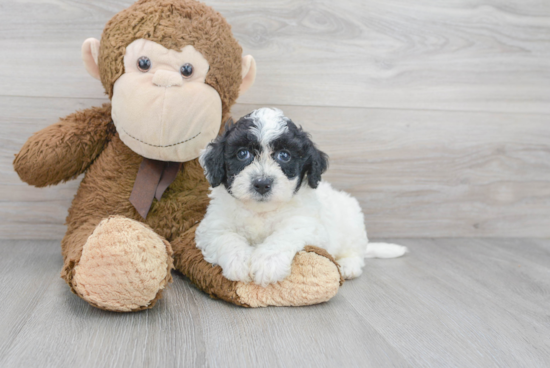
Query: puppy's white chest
point(256, 229)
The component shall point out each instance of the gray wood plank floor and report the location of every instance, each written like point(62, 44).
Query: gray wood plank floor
point(449, 303)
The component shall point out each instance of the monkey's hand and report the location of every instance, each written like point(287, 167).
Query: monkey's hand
point(66, 149)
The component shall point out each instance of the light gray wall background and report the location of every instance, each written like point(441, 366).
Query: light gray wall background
point(436, 114)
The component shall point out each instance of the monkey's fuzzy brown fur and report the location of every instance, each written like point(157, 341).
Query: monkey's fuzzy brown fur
point(65, 150)
point(59, 153)
point(175, 24)
point(87, 142)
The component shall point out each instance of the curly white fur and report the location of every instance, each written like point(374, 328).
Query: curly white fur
point(259, 246)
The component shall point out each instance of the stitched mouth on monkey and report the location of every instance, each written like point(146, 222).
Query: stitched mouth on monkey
point(161, 105)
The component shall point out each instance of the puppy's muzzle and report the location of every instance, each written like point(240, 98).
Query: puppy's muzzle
point(263, 185)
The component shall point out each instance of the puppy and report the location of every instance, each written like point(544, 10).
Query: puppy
point(268, 202)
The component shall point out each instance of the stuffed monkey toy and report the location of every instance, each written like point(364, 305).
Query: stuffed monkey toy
point(172, 70)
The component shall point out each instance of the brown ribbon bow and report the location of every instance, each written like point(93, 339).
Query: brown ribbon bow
point(152, 180)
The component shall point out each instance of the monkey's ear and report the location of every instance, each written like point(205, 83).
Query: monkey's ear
point(248, 73)
point(90, 53)
point(212, 161)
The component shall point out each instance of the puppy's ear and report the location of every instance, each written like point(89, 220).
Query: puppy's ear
point(317, 165)
point(213, 162)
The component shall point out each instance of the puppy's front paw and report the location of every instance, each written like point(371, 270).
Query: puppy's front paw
point(268, 267)
point(236, 266)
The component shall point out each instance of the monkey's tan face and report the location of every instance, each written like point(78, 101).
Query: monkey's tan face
point(161, 106)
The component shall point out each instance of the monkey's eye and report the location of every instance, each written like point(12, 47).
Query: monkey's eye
point(186, 70)
point(144, 64)
point(243, 155)
point(283, 156)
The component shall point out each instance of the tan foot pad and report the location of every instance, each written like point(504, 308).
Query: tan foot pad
point(124, 266)
point(315, 278)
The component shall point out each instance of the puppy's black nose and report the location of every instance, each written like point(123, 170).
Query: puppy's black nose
point(262, 186)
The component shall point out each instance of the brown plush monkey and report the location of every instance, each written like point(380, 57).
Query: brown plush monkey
point(172, 70)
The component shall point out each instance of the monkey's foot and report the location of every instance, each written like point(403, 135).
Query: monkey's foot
point(314, 278)
point(124, 266)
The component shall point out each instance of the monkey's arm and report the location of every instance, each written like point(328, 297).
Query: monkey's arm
point(64, 150)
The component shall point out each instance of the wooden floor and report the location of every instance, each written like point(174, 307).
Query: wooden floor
point(448, 303)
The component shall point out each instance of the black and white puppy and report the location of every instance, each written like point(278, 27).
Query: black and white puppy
point(268, 202)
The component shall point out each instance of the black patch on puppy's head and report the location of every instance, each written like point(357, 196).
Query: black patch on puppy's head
point(219, 159)
point(317, 164)
point(306, 159)
point(213, 162)
point(222, 166)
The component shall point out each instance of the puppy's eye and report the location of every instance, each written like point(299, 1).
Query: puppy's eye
point(144, 64)
point(186, 70)
point(283, 156)
point(243, 155)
